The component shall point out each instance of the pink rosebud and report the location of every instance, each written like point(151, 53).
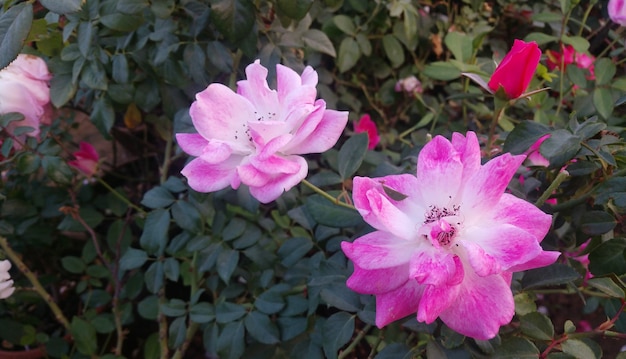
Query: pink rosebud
point(410, 85)
point(617, 11)
point(24, 89)
point(534, 156)
point(517, 69)
point(256, 136)
point(446, 240)
point(86, 159)
point(365, 124)
point(6, 284)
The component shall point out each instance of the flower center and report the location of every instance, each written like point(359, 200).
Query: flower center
point(441, 225)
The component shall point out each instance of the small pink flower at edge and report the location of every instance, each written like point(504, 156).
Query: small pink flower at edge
point(534, 156)
point(86, 159)
point(365, 124)
point(256, 136)
point(617, 11)
point(517, 69)
point(6, 284)
point(446, 247)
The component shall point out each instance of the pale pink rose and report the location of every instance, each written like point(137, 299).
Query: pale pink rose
point(6, 284)
point(534, 156)
point(24, 89)
point(409, 85)
point(86, 159)
point(447, 240)
point(617, 11)
point(256, 135)
point(365, 124)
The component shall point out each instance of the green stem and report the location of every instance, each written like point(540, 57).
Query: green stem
point(499, 112)
point(355, 342)
point(193, 327)
point(562, 176)
point(162, 320)
point(167, 159)
point(232, 82)
point(576, 201)
point(326, 195)
point(13, 257)
point(120, 196)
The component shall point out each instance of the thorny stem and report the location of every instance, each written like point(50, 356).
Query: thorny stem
point(193, 327)
point(326, 195)
point(376, 344)
point(562, 176)
point(167, 157)
point(492, 128)
point(58, 314)
point(162, 320)
point(600, 330)
point(355, 342)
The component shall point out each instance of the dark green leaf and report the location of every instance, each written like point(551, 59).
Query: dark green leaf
point(62, 89)
point(537, 326)
point(269, 302)
point(345, 24)
point(187, 216)
point(605, 76)
point(459, 44)
point(233, 18)
point(57, 169)
point(84, 335)
point(28, 163)
point(202, 312)
point(62, 7)
point(120, 68)
point(560, 147)
point(226, 263)
point(578, 349)
point(338, 329)
point(15, 25)
point(349, 54)
point(399, 351)
point(319, 41)
point(597, 222)
point(329, 214)
point(262, 328)
point(154, 236)
point(351, 155)
point(177, 331)
point(132, 6)
point(121, 22)
point(227, 312)
point(85, 35)
point(603, 101)
point(607, 286)
point(157, 197)
point(291, 327)
point(441, 70)
point(295, 9)
point(554, 274)
point(154, 277)
point(608, 257)
point(148, 308)
point(231, 341)
point(174, 308)
point(171, 268)
point(73, 264)
point(293, 249)
point(393, 50)
point(103, 115)
point(516, 348)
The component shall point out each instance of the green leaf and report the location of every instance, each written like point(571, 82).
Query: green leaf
point(154, 236)
point(547, 17)
point(103, 324)
point(319, 41)
point(148, 308)
point(270, 302)
point(226, 263)
point(28, 163)
point(603, 101)
point(171, 268)
point(133, 258)
point(152, 347)
point(580, 44)
point(57, 169)
point(291, 327)
point(15, 25)
point(73, 264)
point(345, 24)
point(174, 308)
point(578, 349)
point(536, 325)
point(103, 115)
point(202, 312)
point(554, 274)
point(62, 7)
point(541, 38)
point(441, 70)
point(295, 9)
point(351, 155)
point(393, 50)
point(154, 277)
point(338, 329)
point(121, 22)
point(177, 331)
point(329, 214)
point(227, 312)
point(84, 335)
point(608, 257)
point(85, 36)
point(187, 216)
point(293, 249)
point(349, 54)
point(231, 341)
point(460, 45)
point(524, 303)
point(364, 44)
point(132, 6)
point(62, 89)
point(157, 197)
point(516, 348)
point(119, 69)
point(262, 328)
point(560, 147)
point(233, 18)
point(607, 286)
point(597, 222)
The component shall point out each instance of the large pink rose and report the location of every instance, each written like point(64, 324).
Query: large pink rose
point(256, 135)
point(517, 69)
point(447, 240)
point(24, 89)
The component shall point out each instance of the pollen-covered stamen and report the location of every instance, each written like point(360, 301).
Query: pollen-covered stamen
point(442, 233)
point(435, 213)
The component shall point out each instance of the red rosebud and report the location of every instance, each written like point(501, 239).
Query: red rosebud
point(365, 124)
point(86, 159)
point(516, 69)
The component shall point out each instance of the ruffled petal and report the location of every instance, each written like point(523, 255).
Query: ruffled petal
point(469, 149)
point(544, 258)
point(219, 113)
point(484, 189)
point(439, 172)
point(191, 143)
point(482, 263)
point(431, 266)
point(398, 303)
point(319, 131)
point(207, 177)
point(435, 300)
point(382, 212)
point(289, 171)
point(506, 244)
point(378, 250)
point(256, 90)
point(378, 281)
point(523, 215)
point(484, 304)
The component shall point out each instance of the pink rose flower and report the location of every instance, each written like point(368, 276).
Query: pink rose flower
point(534, 157)
point(447, 240)
point(256, 135)
point(570, 56)
point(6, 284)
point(86, 159)
point(517, 69)
point(365, 124)
point(24, 89)
point(617, 11)
point(410, 85)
